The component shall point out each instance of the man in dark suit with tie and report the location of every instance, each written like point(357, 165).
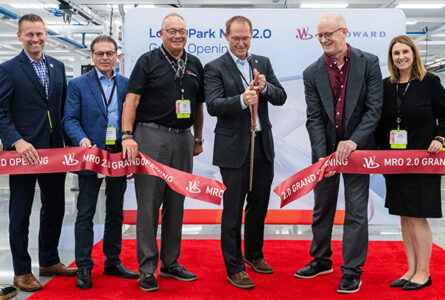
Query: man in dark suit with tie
point(32, 94)
point(93, 117)
point(229, 97)
point(344, 96)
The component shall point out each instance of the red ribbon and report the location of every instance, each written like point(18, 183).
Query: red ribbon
point(111, 164)
point(361, 162)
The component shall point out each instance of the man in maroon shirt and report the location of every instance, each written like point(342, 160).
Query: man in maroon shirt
point(344, 95)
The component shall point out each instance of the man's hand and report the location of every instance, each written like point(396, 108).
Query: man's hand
point(130, 150)
point(328, 174)
point(86, 143)
point(197, 149)
point(250, 97)
point(261, 80)
point(435, 147)
point(345, 148)
point(27, 151)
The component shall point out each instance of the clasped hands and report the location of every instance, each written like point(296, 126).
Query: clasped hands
point(250, 95)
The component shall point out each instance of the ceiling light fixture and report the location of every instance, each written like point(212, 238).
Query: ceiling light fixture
point(323, 5)
point(421, 5)
point(32, 5)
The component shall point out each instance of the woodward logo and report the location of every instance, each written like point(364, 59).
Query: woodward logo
point(303, 34)
point(69, 160)
point(370, 163)
point(193, 187)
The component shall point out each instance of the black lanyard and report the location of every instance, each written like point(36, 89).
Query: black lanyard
point(400, 102)
point(107, 103)
point(250, 73)
point(178, 68)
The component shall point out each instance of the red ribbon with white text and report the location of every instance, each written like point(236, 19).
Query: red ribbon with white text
point(361, 162)
point(111, 164)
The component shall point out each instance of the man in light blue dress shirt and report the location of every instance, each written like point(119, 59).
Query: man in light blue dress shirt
point(227, 82)
point(93, 118)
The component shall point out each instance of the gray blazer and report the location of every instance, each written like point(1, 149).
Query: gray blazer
point(363, 104)
point(223, 87)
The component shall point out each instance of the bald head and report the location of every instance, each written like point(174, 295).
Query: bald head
point(334, 19)
point(332, 34)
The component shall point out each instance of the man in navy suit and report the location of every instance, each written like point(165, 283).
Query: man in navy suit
point(32, 93)
point(93, 117)
point(227, 81)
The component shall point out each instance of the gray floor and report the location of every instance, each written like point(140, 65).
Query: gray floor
point(296, 232)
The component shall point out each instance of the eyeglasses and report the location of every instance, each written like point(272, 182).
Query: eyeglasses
point(101, 54)
point(172, 32)
point(238, 39)
point(327, 35)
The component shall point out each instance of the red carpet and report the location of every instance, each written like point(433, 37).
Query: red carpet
point(386, 261)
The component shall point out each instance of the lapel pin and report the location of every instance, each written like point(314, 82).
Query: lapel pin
point(51, 65)
point(256, 61)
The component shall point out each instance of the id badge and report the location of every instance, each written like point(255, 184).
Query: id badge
point(111, 136)
point(183, 109)
point(398, 139)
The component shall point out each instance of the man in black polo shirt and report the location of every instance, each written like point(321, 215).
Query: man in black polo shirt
point(165, 95)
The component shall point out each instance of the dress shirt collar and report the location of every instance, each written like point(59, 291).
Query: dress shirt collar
point(100, 75)
point(43, 59)
point(240, 61)
point(330, 60)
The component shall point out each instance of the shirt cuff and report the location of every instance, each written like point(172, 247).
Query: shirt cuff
point(265, 90)
point(13, 144)
point(243, 105)
point(81, 141)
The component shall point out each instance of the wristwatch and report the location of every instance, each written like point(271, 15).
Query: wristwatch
point(199, 141)
point(127, 133)
point(440, 139)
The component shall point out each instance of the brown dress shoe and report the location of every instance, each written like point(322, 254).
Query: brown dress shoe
point(27, 283)
point(58, 269)
point(259, 265)
point(241, 280)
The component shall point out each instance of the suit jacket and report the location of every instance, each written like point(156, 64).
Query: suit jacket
point(85, 112)
point(223, 87)
point(24, 106)
point(363, 104)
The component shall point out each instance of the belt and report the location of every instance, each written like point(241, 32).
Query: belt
point(164, 128)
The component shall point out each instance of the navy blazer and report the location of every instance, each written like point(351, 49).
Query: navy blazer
point(85, 113)
point(24, 106)
point(223, 87)
point(363, 103)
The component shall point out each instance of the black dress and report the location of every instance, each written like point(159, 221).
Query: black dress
point(423, 116)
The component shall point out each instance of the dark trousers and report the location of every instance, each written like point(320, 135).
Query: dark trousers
point(237, 183)
point(89, 186)
point(52, 195)
point(176, 151)
point(355, 228)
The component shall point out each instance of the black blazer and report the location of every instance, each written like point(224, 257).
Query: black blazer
point(23, 104)
point(363, 103)
point(223, 87)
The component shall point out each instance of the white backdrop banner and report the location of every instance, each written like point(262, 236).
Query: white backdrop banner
point(287, 37)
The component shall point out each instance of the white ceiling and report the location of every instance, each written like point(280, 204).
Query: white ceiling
point(92, 17)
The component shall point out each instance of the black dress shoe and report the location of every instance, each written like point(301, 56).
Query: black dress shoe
point(177, 272)
point(398, 282)
point(314, 268)
point(84, 279)
point(349, 284)
point(120, 271)
point(148, 283)
point(410, 286)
